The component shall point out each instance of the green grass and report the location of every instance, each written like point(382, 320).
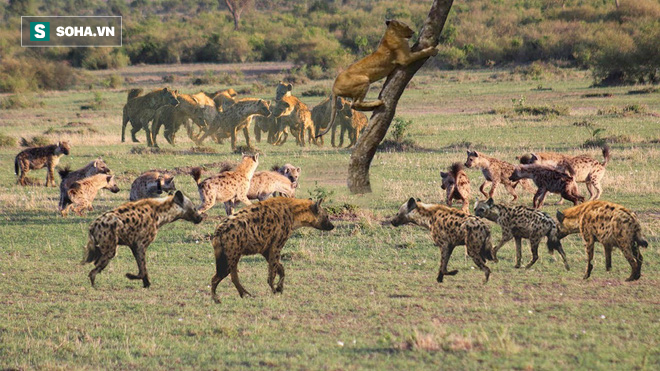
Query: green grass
point(362, 296)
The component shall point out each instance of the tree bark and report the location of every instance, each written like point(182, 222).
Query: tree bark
point(365, 149)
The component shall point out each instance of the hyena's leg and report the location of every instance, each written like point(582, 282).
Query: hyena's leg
point(473, 251)
point(136, 126)
point(518, 252)
point(635, 264)
point(208, 200)
point(506, 237)
point(50, 176)
point(608, 256)
point(221, 271)
point(494, 186)
point(234, 278)
point(534, 245)
point(445, 252)
point(561, 252)
point(102, 262)
point(139, 252)
point(246, 132)
point(539, 196)
point(482, 189)
point(511, 190)
point(589, 249)
point(275, 267)
point(229, 208)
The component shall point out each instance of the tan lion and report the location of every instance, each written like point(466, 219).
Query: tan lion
point(393, 51)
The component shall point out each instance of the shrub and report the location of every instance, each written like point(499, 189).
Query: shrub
point(399, 129)
point(103, 59)
point(114, 81)
point(27, 74)
point(18, 101)
point(7, 141)
point(317, 91)
point(36, 141)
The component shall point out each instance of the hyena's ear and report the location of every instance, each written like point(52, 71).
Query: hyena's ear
point(317, 206)
point(490, 202)
point(443, 174)
point(387, 22)
point(255, 157)
point(560, 216)
point(109, 178)
point(159, 185)
point(533, 158)
point(412, 204)
point(289, 87)
point(178, 198)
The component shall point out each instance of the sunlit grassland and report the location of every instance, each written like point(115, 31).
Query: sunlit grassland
point(361, 296)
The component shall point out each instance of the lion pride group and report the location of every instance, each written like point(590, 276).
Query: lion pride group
point(222, 115)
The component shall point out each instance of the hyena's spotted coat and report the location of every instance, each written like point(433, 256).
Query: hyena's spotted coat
point(69, 177)
point(262, 229)
point(548, 179)
point(457, 185)
point(151, 184)
point(610, 224)
point(227, 185)
point(520, 222)
point(449, 228)
point(495, 171)
point(38, 157)
point(134, 224)
point(82, 193)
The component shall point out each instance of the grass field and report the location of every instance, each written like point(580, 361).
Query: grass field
point(361, 296)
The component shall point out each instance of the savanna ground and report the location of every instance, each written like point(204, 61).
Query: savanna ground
point(361, 296)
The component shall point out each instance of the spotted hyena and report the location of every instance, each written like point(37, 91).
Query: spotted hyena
point(584, 169)
point(264, 184)
point(82, 193)
point(449, 228)
point(548, 179)
point(457, 185)
point(134, 224)
point(227, 185)
point(610, 224)
point(263, 229)
point(97, 166)
point(38, 157)
point(289, 171)
point(520, 222)
point(151, 184)
point(495, 171)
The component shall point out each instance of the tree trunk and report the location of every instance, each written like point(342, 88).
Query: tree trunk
point(365, 149)
point(237, 18)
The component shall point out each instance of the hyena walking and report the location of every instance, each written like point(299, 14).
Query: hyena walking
point(522, 222)
point(134, 224)
point(547, 180)
point(151, 184)
point(610, 224)
point(227, 185)
point(262, 229)
point(449, 228)
point(36, 158)
point(495, 171)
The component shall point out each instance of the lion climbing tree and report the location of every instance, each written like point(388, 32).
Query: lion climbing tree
point(365, 149)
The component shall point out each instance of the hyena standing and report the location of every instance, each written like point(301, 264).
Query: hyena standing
point(522, 222)
point(227, 185)
point(69, 177)
point(262, 229)
point(134, 224)
point(584, 169)
point(38, 157)
point(495, 171)
point(547, 180)
point(610, 224)
point(449, 228)
point(457, 184)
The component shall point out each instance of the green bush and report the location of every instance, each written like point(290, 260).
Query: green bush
point(20, 101)
point(27, 74)
point(7, 141)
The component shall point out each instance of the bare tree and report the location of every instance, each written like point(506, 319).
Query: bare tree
point(365, 149)
point(236, 8)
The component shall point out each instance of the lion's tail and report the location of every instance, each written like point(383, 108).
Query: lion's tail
point(333, 115)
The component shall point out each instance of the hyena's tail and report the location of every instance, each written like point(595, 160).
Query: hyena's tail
point(196, 173)
point(487, 249)
point(16, 165)
point(554, 243)
point(640, 239)
point(64, 172)
point(606, 155)
point(92, 252)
